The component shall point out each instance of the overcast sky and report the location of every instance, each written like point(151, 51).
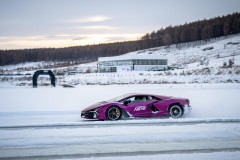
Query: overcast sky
point(61, 23)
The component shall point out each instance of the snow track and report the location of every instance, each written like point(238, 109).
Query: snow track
point(122, 154)
point(121, 138)
point(87, 124)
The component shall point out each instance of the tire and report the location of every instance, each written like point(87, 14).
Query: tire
point(114, 113)
point(175, 111)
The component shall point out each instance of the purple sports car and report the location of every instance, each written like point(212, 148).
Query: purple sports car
point(137, 105)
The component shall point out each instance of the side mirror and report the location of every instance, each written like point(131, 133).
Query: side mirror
point(126, 102)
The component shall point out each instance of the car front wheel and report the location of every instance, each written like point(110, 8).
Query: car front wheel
point(175, 111)
point(114, 113)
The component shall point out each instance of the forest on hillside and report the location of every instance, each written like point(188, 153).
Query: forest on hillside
point(195, 31)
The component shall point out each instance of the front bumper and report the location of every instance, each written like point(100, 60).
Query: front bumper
point(89, 115)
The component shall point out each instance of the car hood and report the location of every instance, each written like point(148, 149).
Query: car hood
point(94, 106)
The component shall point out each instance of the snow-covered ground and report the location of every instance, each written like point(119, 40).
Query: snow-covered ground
point(120, 141)
point(45, 123)
point(25, 105)
point(48, 99)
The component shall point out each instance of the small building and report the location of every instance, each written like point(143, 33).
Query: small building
point(132, 63)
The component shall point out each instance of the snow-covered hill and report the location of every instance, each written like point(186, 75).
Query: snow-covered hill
point(212, 53)
point(200, 62)
point(212, 61)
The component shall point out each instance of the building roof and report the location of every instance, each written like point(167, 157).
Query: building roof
point(130, 57)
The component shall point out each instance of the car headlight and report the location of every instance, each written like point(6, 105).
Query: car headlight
point(95, 112)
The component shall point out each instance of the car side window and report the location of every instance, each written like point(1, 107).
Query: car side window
point(130, 99)
point(136, 99)
point(153, 98)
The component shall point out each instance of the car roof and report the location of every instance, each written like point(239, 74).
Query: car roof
point(140, 94)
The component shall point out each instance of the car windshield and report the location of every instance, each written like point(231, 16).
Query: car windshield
point(118, 98)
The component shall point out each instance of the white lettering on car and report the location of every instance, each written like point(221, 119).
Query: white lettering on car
point(140, 108)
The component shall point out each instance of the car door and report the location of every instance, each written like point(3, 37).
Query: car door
point(138, 106)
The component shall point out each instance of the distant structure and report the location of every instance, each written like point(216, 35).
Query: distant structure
point(132, 63)
point(43, 72)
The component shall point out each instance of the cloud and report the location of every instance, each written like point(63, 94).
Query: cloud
point(115, 39)
point(89, 19)
point(62, 40)
point(98, 27)
point(77, 38)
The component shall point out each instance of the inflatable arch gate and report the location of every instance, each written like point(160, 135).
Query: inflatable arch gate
point(43, 72)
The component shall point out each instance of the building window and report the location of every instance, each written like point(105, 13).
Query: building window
point(113, 69)
point(118, 65)
point(150, 62)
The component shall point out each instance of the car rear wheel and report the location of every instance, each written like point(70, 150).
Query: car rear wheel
point(114, 113)
point(175, 111)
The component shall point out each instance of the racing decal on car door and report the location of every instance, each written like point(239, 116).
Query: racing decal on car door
point(140, 108)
